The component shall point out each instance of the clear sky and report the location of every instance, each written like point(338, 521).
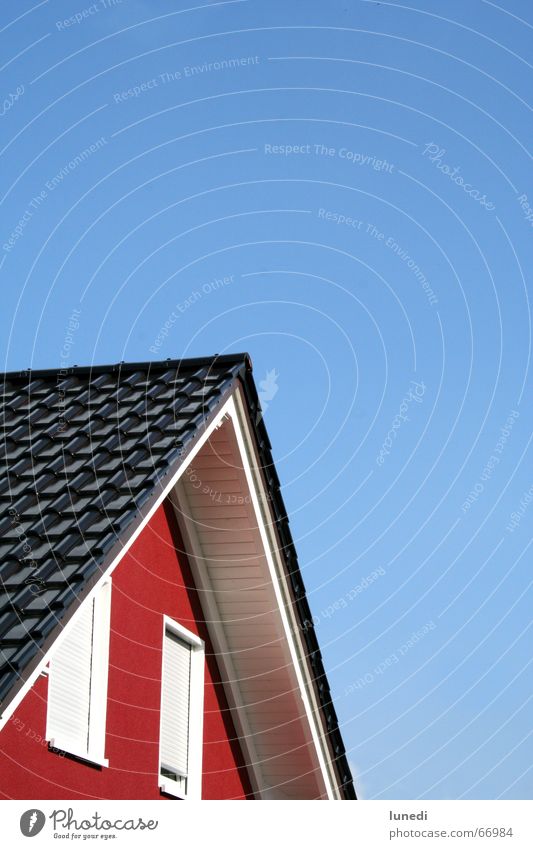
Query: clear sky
point(343, 189)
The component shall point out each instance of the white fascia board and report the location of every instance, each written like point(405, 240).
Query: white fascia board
point(277, 573)
point(169, 486)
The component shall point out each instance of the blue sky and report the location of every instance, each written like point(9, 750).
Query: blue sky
point(342, 189)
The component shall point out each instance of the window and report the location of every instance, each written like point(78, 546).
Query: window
point(182, 697)
point(77, 682)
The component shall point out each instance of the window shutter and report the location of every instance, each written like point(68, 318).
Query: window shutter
point(69, 688)
point(175, 708)
point(77, 681)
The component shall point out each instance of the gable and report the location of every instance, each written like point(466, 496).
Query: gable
point(85, 483)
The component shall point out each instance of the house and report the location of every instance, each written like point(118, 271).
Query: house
point(156, 638)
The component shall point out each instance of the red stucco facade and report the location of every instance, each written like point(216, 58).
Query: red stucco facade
point(152, 579)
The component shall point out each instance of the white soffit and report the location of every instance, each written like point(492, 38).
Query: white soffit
point(239, 577)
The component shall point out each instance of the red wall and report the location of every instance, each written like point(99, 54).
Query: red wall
point(151, 580)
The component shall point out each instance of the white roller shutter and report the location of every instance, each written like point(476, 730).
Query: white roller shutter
point(77, 683)
point(69, 690)
point(175, 708)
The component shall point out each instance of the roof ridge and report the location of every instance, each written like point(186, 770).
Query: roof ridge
point(123, 366)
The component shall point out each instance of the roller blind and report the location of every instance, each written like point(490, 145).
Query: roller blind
point(175, 708)
point(77, 683)
point(69, 687)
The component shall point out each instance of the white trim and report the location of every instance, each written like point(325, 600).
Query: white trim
point(180, 631)
point(196, 714)
point(30, 681)
point(277, 574)
point(100, 671)
point(61, 748)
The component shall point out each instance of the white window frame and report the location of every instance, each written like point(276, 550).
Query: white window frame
point(95, 752)
point(196, 714)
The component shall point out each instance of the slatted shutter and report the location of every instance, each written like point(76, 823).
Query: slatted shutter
point(69, 691)
point(77, 683)
point(176, 709)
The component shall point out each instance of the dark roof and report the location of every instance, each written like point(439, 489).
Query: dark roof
point(85, 453)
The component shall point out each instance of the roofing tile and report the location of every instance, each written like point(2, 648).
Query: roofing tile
point(76, 475)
